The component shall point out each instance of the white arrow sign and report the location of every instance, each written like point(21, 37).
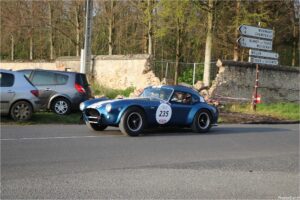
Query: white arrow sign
point(265, 54)
point(256, 32)
point(255, 43)
point(263, 61)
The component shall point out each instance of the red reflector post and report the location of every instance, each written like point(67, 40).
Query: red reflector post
point(257, 100)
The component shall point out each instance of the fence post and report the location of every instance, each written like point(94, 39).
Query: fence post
point(166, 75)
point(162, 71)
point(194, 73)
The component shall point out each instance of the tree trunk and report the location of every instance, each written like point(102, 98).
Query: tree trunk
point(12, 48)
point(178, 34)
point(111, 28)
point(31, 46)
point(51, 31)
point(208, 45)
point(145, 41)
point(294, 43)
point(236, 33)
point(243, 55)
point(149, 27)
point(31, 34)
point(77, 30)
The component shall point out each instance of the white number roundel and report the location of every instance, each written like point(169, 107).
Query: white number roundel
point(163, 113)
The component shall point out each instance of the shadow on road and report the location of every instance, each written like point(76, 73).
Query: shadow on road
point(214, 131)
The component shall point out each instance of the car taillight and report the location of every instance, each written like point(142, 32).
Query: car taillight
point(79, 88)
point(35, 92)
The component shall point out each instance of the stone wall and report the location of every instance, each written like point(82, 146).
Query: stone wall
point(124, 71)
point(117, 71)
point(27, 65)
point(236, 80)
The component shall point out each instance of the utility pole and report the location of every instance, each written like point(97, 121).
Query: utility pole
point(87, 37)
point(254, 96)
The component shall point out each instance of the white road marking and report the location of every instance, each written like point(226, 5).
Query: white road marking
point(47, 138)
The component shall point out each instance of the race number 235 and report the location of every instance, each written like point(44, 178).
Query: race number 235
point(163, 113)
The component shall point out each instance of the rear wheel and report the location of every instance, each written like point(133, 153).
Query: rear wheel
point(61, 106)
point(96, 127)
point(132, 122)
point(202, 122)
point(21, 111)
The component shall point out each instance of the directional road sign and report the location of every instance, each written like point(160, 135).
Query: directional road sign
point(256, 32)
point(255, 43)
point(263, 61)
point(264, 54)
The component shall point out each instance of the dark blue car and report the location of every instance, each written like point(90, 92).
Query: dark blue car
point(157, 106)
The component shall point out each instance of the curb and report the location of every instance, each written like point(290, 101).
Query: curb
point(273, 122)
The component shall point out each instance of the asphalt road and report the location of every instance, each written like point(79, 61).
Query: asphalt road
point(69, 161)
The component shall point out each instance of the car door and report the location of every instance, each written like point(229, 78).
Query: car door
point(7, 92)
point(181, 104)
point(45, 82)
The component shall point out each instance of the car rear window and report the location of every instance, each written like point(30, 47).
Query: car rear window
point(26, 73)
point(43, 78)
point(6, 79)
point(28, 80)
point(82, 80)
point(61, 79)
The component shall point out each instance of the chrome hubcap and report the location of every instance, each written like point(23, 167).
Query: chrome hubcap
point(134, 121)
point(61, 107)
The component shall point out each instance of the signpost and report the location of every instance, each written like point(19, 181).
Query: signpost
point(263, 61)
point(255, 43)
point(265, 54)
point(257, 39)
point(257, 32)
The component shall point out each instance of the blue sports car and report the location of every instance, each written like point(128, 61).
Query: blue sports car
point(157, 106)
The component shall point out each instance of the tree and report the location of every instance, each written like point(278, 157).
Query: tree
point(111, 25)
point(174, 16)
point(208, 45)
point(169, 30)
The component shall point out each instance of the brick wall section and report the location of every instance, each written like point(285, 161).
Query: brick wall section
point(276, 83)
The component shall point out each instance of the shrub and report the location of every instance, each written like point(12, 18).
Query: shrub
point(109, 92)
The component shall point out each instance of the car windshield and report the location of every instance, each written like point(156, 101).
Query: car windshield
point(157, 92)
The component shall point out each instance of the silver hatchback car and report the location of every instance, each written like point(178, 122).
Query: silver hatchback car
point(19, 97)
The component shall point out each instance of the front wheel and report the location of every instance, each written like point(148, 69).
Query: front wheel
point(202, 122)
point(96, 127)
point(132, 122)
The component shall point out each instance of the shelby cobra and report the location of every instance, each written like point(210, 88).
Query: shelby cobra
point(157, 106)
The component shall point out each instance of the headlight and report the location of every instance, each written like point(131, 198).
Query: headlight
point(202, 99)
point(81, 106)
point(108, 107)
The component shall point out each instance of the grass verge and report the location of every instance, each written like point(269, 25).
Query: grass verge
point(110, 93)
point(283, 111)
point(46, 118)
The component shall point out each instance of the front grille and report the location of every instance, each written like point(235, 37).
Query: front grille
point(92, 115)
